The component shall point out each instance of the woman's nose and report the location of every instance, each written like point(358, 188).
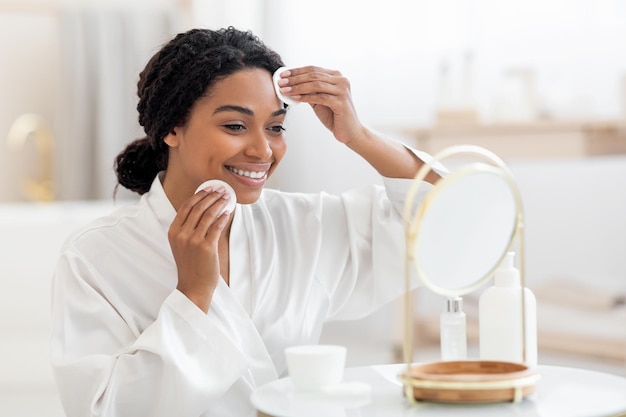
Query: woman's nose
point(259, 146)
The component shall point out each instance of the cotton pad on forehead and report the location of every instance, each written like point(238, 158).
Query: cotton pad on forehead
point(285, 99)
point(214, 185)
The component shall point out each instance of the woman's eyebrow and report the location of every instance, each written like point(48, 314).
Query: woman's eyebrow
point(244, 110)
point(230, 107)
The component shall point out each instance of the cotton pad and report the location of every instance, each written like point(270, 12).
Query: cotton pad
point(285, 99)
point(214, 185)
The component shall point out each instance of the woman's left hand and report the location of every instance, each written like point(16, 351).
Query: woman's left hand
point(328, 93)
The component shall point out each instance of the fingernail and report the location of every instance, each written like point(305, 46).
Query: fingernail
point(283, 81)
point(285, 89)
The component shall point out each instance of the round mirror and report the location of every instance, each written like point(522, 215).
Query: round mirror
point(464, 227)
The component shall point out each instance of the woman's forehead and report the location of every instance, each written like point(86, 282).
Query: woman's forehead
point(251, 88)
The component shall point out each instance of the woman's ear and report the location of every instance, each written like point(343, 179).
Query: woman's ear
point(172, 138)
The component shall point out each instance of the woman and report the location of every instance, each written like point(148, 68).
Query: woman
point(167, 307)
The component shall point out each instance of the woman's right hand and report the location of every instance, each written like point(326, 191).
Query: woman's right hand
point(194, 235)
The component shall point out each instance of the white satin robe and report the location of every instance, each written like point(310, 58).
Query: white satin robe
point(126, 343)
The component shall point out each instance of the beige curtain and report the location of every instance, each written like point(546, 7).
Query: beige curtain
point(103, 50)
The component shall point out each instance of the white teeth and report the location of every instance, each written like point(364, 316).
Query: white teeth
point(249, 174)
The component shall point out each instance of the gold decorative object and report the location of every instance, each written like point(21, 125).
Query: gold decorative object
point(462, 381)
point(30, 125)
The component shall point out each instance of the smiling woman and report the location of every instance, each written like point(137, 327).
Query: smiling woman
point(176, 305)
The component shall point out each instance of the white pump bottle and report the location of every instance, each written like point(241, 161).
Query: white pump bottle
point(500, 318)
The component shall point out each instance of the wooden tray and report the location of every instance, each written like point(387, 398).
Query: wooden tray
point(470, 381)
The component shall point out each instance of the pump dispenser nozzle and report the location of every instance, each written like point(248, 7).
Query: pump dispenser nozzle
point(507, 275)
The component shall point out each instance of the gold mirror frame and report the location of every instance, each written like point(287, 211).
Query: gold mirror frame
point(412, 224)
point(415, 230)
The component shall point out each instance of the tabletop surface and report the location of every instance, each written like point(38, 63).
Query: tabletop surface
point(561, 392)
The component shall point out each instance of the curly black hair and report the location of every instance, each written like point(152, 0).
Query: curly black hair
point(179, 74)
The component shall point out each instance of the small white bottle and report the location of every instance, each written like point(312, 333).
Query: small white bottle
point(500, 318)
point(453, 335)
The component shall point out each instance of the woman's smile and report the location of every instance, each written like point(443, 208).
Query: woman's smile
point(250, 176)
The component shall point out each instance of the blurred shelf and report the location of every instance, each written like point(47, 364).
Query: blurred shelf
point(542, 139)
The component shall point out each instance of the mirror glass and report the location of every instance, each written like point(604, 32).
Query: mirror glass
point(467, 225)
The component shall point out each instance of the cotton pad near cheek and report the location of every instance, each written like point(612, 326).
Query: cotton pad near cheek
point(214, 185)
point(285, 99)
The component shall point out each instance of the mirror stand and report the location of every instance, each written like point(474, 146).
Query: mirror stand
point(451, 219)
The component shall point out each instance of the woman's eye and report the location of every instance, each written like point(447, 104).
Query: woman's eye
point(277, 128)
point(235, 127)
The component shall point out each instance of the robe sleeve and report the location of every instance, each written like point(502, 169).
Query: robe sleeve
point(365, 234)
point(103, 367)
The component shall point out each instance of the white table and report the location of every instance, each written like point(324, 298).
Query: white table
point(561, 392)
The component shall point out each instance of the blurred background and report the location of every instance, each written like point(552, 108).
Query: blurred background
point(542, 83)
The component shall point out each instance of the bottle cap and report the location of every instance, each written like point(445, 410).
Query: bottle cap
point(454, 305)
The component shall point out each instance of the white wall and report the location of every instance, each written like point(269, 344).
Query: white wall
point(575, 220)
point(392, 51)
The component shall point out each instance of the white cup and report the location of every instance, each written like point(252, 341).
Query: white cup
point(312, 367)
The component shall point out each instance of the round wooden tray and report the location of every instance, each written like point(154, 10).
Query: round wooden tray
point(470, 381)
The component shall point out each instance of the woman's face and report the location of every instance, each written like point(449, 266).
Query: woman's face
point(235, 134)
